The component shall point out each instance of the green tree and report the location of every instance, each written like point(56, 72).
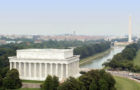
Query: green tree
point(109, 79)
point(1, 81)
point(55, 82)
point(93, 85)
point(71, 84)
point(3, 71)
point(128, 53)
point(98, 80)
point(103, 85)
point(86, 80)
point(12, 81)
point(48, 84)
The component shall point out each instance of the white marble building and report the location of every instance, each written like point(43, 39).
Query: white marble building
point(36, 64)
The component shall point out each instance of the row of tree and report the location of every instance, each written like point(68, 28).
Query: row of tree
point(91, 49)
point(63, 43)
point(124, 60)
point(92, 80)
point(119, 40)
point(123, 39)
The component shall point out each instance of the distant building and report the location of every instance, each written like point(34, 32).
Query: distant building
point(10, 42)
point(36, 64)
point(2, 42)
point(19, 42)
point(37, 41)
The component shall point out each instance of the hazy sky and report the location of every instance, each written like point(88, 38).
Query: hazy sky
point(90, 17)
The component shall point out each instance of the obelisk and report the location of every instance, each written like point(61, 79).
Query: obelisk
point(130, 30)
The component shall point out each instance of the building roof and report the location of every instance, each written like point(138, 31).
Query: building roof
point(40, 50)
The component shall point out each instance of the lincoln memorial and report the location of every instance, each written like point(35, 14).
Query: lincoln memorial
point(36, 64)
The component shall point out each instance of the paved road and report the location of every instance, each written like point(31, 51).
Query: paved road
point(126, 74)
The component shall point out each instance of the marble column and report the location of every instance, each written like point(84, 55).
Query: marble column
point(70, 69)
point(10, 65)
point(67, 70)
point(40, 70)
point(35, 70)
point(62, 71)
point(29, 69)
point(15, 65)
point(24, 69)
point(78, 66)
point(75, 67)
point(45, 69)
point(56, 70)
point(20, 72)
point(51, 69)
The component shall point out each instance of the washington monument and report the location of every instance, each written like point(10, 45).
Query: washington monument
point(130, 30)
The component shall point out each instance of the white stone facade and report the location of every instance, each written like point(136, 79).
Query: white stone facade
point(37, 64)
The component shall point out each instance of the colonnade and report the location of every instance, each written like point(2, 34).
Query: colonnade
point(39, 71)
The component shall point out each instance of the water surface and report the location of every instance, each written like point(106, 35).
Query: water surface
point(97, 63)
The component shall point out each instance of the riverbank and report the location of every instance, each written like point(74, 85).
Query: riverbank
point(90, 58)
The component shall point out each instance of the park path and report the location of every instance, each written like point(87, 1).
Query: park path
point(31, 85)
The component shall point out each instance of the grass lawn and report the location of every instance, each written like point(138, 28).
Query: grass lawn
point(28, 89)
point(126, 84)
point(137, 59)
point(32, 81)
